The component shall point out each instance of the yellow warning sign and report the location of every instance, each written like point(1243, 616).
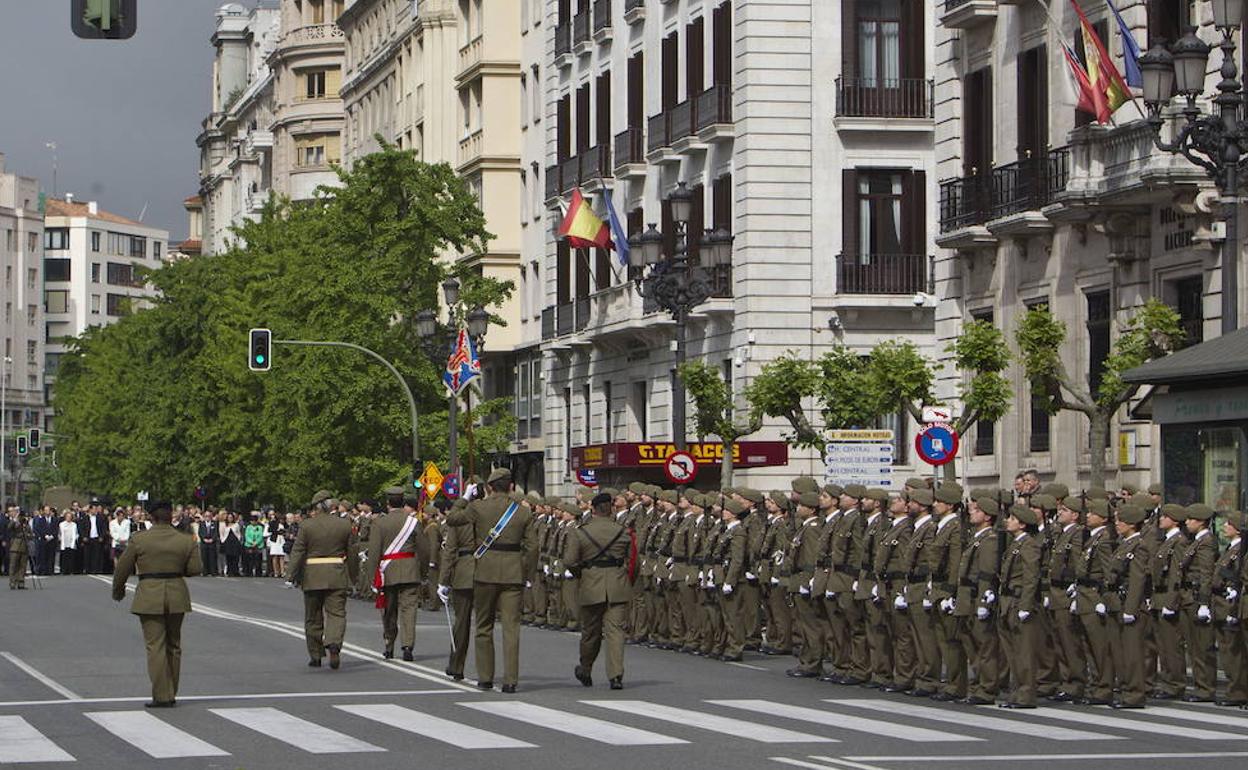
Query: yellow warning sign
point(431, 480)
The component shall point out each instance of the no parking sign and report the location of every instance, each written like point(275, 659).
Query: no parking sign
point(936, 444)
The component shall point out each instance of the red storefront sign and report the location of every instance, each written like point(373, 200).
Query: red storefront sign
point(652, 454)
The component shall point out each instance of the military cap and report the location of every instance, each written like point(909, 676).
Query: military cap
point(396, 491)
point(1096, 493)
point(668, 495)
point(1156, 489)
point(1055, 490)
point(1199, 511)
point(609, 491)
point(637, 488)
point(498, 474)
point(412, 500)
point(1076, 504)
point(1129, 488)
point(947, 494)
point(1097, 507)
point(1044, 502)
point(534, 497)
point(780, 499)
point(602, 498)
point(808, 499)
point(915, 482)
point(978, 493)
point(1131, 514)
point(834, 490)
point(805, 484)
point(856, 491)
point(156, 506)
point(922, 496)
point(753, 495)
point(1174, 512)
point(732, 505)
point(515, 496)
point(728, 491)
point(877, 494)
point(988, 506)
point(1024, 514)
point(1141, 500)
point(1236, 519)
point(322, 495)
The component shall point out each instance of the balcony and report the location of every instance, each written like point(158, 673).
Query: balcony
point(313, 34)
point(880, 98)
point(569, 173)
point(1120, 165)
point(582, 25)
point(630, 153)
point(964, 202)
point(602, 21)
point(713, 114)
point(1029, 185)
point(965, 14)
point(634, 11)
point(563, 45)
point(882, 273)
point(470, 148)
point(659, 138)
point(554, 182)
point(548, 323)
point(1009, 196)
point(470, 57)
point(564, 319)
point(595, 166)
point(258, 140)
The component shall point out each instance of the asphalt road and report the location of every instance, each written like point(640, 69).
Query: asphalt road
point(72, 685)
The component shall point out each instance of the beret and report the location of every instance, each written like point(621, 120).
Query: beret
point(753, 495)
point(637, 488)
point(609, 491)
point(322, 495)
point(1076, 504)
point(1174, 512)
point(534, 497)
point(805, 484)
point(1237, 519)
point(728, 491)
point(856, 491)
point(808, 499)
point(922, 496)
point(1131, 514)
point(916, 482)
point(1129, 488)
point(667, 495)
point(732, 505)
point(947, 494)
point(392, 491)
point(1156, 489)
point(1024, 514)
point(875, 493)
point(1044, 502)
point(780, 499)
point(1096, 493)
point(515, 496)
point(834, 490)
point(1055, 490)
point(1097, 507)
point(1141, 500)
point(1199, 511)
point(988, 506)
point(499, 474)
point(978, 493)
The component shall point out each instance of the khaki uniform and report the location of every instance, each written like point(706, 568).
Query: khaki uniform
point(1095, 570)
point(943, 556)
point(871, 597)
point(751, 589)
point(922, 619)
point(1167, 578)
point(890, 574)
point(19, 552)
point(728, 568)
point(1231, 651)
point(682, 601)
point(161, 557)
point(456, 571)
point(1198, 564)
point(1063, 560)
point(1128, 584)
point(406, 568)
point(1020, 587)
point(599, 551)
point(319, 564)
point(568, 584)
point(806, 542)
point(978, 572)
point(498, 577)
point(849, 659)
point(363, 533)
point(779, 614)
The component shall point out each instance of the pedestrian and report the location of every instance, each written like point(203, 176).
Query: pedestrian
point(68, 544)
point(275, 537)
point(253, 546)
point(603, 552)
point(319, 564)
point(231, 538)
point(44, 545)
point(119, 533)
point(398, 560)
point(207, 533)
point(161, 557)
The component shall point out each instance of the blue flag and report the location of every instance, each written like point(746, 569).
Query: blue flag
point(1130, 51)
point(618, 237)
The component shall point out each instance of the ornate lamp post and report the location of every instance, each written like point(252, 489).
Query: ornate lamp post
point(1215, 142)
point(675, 284)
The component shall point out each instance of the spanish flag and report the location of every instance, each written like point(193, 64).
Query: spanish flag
point(582, 227)
point(1102, 74)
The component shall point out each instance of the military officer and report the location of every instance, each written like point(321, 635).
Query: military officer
point(19, 536)
point(455, 573)
point(779, 623)
point(1019, 581)
point(398, 558)
point(728, 568)
point(319, 564)
point(943, 556)
point(1166, 573)
point(890, 574)
point(1198, 632)
point(1093, 574)
point(977, 576)
point(876, 670)
point(915, 601)
point(1060, 592)
point(753, 518)
point(805, 549)
point(1127, 592)
point(1227, 585)
point(599, 551)
point(506, 553)
point(161, 557)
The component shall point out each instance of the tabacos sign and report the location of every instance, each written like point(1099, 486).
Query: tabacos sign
point(704, 452)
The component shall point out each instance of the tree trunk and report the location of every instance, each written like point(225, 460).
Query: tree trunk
point(725, 473)
point(1098, 436)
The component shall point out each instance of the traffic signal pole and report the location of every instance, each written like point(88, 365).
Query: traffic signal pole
point(407, 391)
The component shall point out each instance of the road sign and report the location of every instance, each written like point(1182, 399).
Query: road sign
point(141, 496)
point(450, 486)
point(936, 444)
point(859, 457)
point(201, 493)
point(680, 467)
point(937, 414)
point(588, 477)
point(431, 479)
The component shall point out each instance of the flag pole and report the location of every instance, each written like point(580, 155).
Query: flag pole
point(1057, 28)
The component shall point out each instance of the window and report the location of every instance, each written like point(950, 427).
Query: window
point(117, 305)
point(1033, 103)
point(32, 242)
point(314, 85)
point(8, 312)
point(56, 238)
point(524, 197)
point(56, 269)
point(567, 426)
point(879, 213)
point(32, 277)
point(32, 314)
point(120, 274)
point(879, 41)
point(8, 275)
point(897, 422)
point(1100, 317)
point(32, 349)
point(587, 400)
point(536, 92)
point(138, 247)
point(524, 100)
point(985, 432)
point(313, 150)
point(9, 241)
point(51, 362)
point(977, 123)
point(1188, 300)
point(1039, 441)
point(95, 240)
point(95, 304)
point(56, 301)
point(95, 272)
point(155, 249)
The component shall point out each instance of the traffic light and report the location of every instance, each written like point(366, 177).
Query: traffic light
point(34, 438)
point(261, 347)
point(21, 445)
point(111, 19)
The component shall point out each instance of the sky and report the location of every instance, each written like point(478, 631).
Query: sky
point(123, 113)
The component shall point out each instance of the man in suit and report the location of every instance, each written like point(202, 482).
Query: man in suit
point(319, 564)
point(599, 551)
point(161, 557)
point(43, 547)
point(505, 552)
point(92, 540)
point(207, 533)
point(398, 557)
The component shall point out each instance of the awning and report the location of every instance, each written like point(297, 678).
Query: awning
point(652, 454)
point(1220, 357)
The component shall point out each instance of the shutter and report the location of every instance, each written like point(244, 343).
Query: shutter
point(913, 24)
point(849, 39)
point(603, 117)
point(985, 121)
point(333, 82)
point(695, 57)
point(602, 269)
point(722, 37)
point(563, 133)
point(697, 218)
point(849, 214)
point(563, 272)
point(582, 118)
point(671, 59)
point(915, 199)
point(636, 91)
point(667, 227)
point(721, 203)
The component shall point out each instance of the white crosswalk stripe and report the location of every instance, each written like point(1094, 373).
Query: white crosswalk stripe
point(877, 727)
point(1204, 717)
point(739, 728)
point(574, 724)
point(23, 743)
point(978, 719)
point(152, 736)
point(1133, 723)
point(297, 732)
point(445, 730)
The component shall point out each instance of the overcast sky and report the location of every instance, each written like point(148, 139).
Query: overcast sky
point(124, 114)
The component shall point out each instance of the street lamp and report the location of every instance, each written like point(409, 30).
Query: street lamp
point(1211, 141)
point(675, 284)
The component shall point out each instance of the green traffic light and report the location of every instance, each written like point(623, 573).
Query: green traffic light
point(259, 358)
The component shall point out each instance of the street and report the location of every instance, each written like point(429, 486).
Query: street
point(72, 685)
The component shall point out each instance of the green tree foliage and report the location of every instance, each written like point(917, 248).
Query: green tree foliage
point(981, 353)
point(714, 414)
point(163, 400)
point(1153, 331)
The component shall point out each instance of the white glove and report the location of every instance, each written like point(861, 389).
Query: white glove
point(1071, 591)
point(727, 589)
point(1231, 594)
point(1023, 615)
point(1100, 609)
point(811, 584)
point(1203, 614)
point(1166, 612)
point(804, 591)
point(1074, 608)
point(528, 584)
point(947, 605)
point(1127, 619)
point(701, 576)
point(900, 602)
point(546, 569)
point(658, 581)
point(1231, 620)
point(775, 581)
point(1046, 601)
point(989, 597)
point(444, 593)
point(829, 594)
point(670, 561)
point(750, 576)
point(854, 587)
point(567, 574)
point(982, 613)
point(875, 591)
point(927, 604)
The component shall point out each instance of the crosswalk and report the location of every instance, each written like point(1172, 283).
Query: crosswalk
point(328, 728)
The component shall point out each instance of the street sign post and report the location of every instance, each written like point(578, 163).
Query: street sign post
point(859, 457)
point(587, 477)
point(936, 444)
point(680, 468)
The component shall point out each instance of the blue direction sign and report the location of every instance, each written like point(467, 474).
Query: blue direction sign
point(936, 444)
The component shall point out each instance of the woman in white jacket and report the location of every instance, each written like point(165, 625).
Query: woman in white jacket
point(68, 543)
point(119, 531)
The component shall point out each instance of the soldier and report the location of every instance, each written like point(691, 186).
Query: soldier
point(536, 605)
point(755, 522)
point(1166, 574)
point(398, 558)
point(668, 570)
point(19, 536)
point(804, 555)
point(1198, 633)
point(915, 601)
point(943, 555)
point(875, 671)
point(978, 572)
point(600, 552)
point(319, 564)
point(1059, 592)
point(727, 573)
point(568, 587)
point(505, 551)
point(1127, 592)
point(1227, 585)
point(1019, 580)
point(1094, 572)
point(363, 533)
point(849, 660)
point(777, 535)
point(890, 574)
point(162, 557)
point(455, 574)
point(643, 518)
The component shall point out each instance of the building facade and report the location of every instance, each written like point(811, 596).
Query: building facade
point(22, 230)
point(1040, 206)
point(804, 128)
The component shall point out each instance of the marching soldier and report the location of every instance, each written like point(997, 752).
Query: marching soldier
point(1198, 564)
point(890, 574)
point(849, 660)
point(1167, 578)
point(755, 522)
point(1019, 580)
point(363, 533)
point(601, 551)
point(319, 564)
point(161, 557)
point(1227, 585)
point(944, 554)
point(1060, 592)
point(455, 581)
point(568, 587)
point(1127, 590)
point(19, 536)
point(779, 631)
point(805, 555)
point(502, 538)
point(915, 601)
point(398, 558)
point(875, 671)
point(535, 605)
point(1094, 573)
point(977, 583)
point(730, 563)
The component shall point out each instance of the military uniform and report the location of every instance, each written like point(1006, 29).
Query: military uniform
point(1019, 581)
point(779, 615)
point(1128, 591)
point(19, 536)
point(455, 579)
point(870, 595)
point(804, 557)
point(1226, 588)
point(401, 572)
point(943, 555)
point(977, 576)
point(731, 562)
point(890, 574)
point(1061, 590)
point(319, 564)
point(919, 607)
point(1167, 576)
point(161, 557)
point(599, 551)
point(1198, 632)
point(1093, 574)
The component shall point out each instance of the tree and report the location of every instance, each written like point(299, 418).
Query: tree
point(714, 413)
point(162, 399)
point(1153, 331)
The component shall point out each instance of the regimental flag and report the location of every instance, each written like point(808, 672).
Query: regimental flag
point(1102, 73)
point(1130, 50)
point(619, 238)
point(464, 365)
point(1090, 101)
point(582, 227)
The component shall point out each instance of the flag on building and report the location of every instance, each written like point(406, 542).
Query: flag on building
point(1102, 73)
point(582, 227)
point(1130, 50)
point(464, 365)
point(619, 238)
point(1090, 101)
